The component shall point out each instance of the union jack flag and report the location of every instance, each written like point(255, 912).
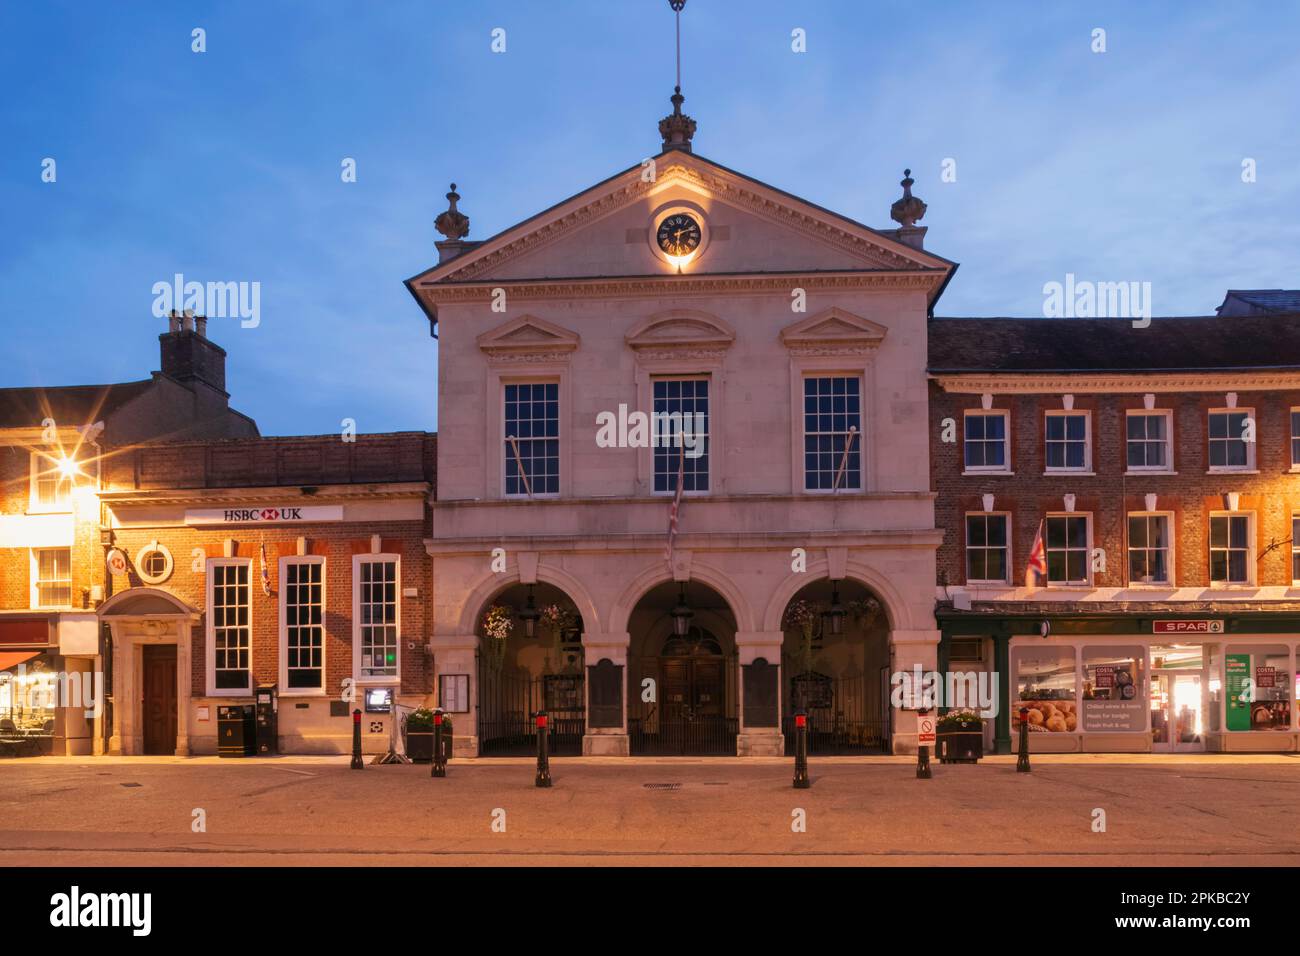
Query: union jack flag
point(1036, 570)
point(677, 503)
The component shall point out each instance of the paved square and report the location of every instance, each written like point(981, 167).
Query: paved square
point(1204, 810)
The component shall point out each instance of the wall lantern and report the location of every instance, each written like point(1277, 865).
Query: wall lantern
point(835, 613)
point(530, 615)
point(681, 614)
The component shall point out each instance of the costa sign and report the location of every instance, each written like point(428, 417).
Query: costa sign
point(1187, 627)
point(260, 514)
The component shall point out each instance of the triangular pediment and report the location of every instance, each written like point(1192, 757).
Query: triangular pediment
point(528, 334)
point(606, 231)
point(831, 328)
point(685, 328)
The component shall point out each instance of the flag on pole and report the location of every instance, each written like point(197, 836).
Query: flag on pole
point(1036, 570)
point(266, 574)
point(677, 502)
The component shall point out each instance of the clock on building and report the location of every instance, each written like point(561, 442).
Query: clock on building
point(679, 235)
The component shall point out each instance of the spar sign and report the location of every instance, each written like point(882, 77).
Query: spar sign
point(1187, 627)
point(261, 514)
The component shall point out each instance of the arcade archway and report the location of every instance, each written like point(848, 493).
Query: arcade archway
point(530, 659)
point(835, 665)
point(682, 695)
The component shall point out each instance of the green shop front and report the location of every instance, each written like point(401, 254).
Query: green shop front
point(1132, 682)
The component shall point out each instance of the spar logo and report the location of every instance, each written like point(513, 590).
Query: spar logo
point(264, 514)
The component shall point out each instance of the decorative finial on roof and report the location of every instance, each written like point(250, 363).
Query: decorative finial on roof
point(677, 128)
point(908, 210)
point(453, 223)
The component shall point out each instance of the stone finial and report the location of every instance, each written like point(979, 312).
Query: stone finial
point(909, 210)
point(677, 128)
point(453, 223)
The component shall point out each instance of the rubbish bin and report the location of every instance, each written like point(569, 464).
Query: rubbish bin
point(236, 731)
point(268, 706)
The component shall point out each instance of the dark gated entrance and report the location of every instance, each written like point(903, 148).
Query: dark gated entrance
point(508, 702)
point(691, 710)
point(841, 718)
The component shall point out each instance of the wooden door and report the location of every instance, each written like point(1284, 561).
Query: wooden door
point(159, 701)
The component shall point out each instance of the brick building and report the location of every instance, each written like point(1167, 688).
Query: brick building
point(1161, 467)
point(53, 445)
point(296, 562)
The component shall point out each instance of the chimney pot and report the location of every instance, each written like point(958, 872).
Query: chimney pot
point(187, 323)
point(201, 325)
point(174, 322)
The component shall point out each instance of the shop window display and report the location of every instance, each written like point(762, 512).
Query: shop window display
point(1258, 683)
point(1045, 685)
point(1113, 683)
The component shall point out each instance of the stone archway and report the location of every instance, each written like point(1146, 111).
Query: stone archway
point(145, 623)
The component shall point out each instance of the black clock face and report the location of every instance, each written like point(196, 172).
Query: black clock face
point(679, 235)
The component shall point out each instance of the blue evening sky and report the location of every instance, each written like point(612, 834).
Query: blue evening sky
point(1123, 165)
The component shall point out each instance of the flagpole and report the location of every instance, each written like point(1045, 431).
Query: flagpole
point(844, 459)
point(523, 473)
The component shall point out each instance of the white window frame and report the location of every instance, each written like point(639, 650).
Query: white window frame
point(43, 465)
point(1087, 558)
point(209, 627)
point(1295, 547)
point(507, 454)
point(285, 689)
point(1251, 548)
point(1168, 467)
point(1086, 467)
point(357, 561)
point(37, 582)
point(1250, 465)
point(1005, 467)
point(1170, 558)
point(859, 442)
point(1293, 431)
point(654, 379)
point(1006, 521)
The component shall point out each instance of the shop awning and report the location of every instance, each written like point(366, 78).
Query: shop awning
point(10, 659)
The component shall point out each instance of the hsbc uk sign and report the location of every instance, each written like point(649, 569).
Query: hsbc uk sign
point(297, 514)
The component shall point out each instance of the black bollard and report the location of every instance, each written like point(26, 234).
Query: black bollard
point(922, 751)
point(801, 781)
point(357, 762)
point(439, 764)
point(543, 756)
point(1022, 761)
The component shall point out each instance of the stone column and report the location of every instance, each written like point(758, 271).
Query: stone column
point(759, 741)
point(120, 702)
point(184, 688)
point(606, 741)
point(456, 654)
point(909, 649)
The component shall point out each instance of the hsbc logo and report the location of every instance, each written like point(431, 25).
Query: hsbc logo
point(296, 514)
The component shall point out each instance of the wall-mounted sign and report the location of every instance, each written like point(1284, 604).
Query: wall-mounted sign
point(1105, 676)
point(257, 514)
point(117, 562)
point(1265, 677)
point(1236, 672)
point(1186, 627)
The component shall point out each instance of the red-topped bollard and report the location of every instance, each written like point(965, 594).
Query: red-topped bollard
point(357, 762)
point(543, 755)
point(439, 758)
point(1022, 761)
point(801, 781)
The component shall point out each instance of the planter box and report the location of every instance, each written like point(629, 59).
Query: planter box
point(961, 744)
point(419, 746)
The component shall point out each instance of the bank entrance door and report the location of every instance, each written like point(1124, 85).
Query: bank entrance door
point(1177, 712)
point(158, 701)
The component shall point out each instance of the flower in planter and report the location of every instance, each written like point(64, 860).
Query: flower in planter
point(961, 720)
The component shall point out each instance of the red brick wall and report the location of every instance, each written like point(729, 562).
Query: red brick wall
point(337, 544)
point(1191, 494)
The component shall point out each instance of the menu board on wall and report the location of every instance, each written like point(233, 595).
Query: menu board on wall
point(1236, 673)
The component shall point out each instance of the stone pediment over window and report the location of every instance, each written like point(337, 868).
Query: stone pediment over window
point(684, 333)
point(528, 339)
point(834, 331)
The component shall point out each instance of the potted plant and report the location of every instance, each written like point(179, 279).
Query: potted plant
point(960, 737)
point(418, 732)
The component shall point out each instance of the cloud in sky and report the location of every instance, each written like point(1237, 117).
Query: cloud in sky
point(225, 165)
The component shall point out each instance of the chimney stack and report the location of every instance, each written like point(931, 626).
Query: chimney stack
point(188, 356)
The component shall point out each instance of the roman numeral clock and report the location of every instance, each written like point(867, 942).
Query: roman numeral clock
point(678, 235)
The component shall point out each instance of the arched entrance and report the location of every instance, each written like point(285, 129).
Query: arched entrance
point(530, 659)
point(682, 697)
point(835, 663)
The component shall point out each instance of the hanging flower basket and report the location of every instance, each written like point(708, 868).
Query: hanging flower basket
point(498, 622)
